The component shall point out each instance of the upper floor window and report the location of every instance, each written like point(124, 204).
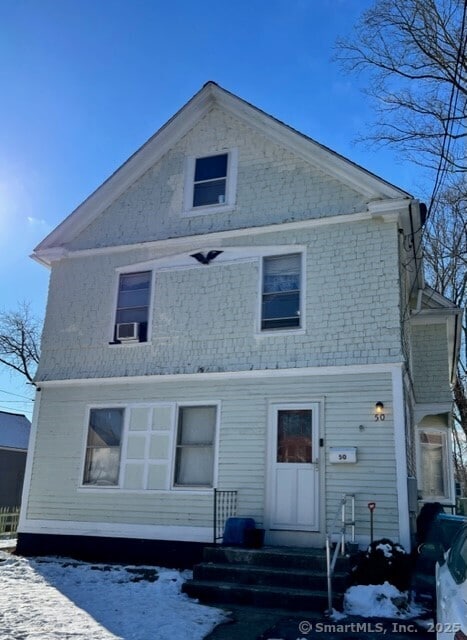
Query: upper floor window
point(102, 462)
point(194, 458)
point(131, 321)
point(210, 182)
point(281, 292)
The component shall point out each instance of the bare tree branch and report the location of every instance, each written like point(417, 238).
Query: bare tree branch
point(20, 341)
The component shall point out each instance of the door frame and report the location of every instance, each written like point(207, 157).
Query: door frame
point(317, 407)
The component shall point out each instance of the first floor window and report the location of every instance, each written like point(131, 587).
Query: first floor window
point(433, 464)
point(281, 292)
point(102, 463)
point(131, 323)
point(194, 458)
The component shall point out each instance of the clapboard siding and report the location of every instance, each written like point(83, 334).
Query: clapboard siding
point(347, 403)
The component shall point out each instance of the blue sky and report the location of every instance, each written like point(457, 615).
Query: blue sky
point(84, 83)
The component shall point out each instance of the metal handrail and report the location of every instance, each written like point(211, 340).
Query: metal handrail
point(225, 506)
point(331, 562)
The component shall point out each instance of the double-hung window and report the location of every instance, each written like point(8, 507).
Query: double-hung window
point(281, 292)
point(102, 461)
point(131, 321)
point(194, 457)
point(210, 180)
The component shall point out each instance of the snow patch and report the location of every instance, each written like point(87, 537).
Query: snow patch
point(380, 601)
point(55, 598)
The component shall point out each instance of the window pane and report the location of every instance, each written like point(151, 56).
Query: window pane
point(105, 427)
point(294, 436)
point(132, 315)
point(212, 167)
point(133, 301)
point(138, 298)
point(194, 466)
point(281, 292)
point(196, 425)
point(103, 447)
point(281, 305)
point(102, 466)
point(206, 193)
point(129, 281)
point(433, 461)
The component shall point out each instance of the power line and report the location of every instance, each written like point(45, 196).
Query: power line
point(10, 393)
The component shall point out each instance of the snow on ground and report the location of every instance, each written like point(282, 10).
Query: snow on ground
point(62, 599)
point(379, 601)
point(7, 543)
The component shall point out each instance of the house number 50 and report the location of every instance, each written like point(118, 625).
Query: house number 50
point(380, 417)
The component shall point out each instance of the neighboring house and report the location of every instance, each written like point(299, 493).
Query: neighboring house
point(14, 437)
point(237, 307)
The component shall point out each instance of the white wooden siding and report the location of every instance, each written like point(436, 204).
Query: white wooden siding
point(347, 420)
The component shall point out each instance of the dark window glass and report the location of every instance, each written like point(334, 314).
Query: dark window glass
point(457, 559)
point(133, 301)
point(210, 181)
point(281, 292)
point(294, 436)
point(210, 168)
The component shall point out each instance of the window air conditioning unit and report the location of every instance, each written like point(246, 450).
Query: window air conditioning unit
point(128, 332)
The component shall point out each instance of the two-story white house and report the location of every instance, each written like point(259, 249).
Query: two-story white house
point(237, 307)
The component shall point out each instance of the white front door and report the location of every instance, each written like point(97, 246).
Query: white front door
point(294, 447)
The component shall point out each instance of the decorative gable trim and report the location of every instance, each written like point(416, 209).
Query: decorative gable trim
point(168, 135)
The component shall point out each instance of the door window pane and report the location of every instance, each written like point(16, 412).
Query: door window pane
point(294, 436)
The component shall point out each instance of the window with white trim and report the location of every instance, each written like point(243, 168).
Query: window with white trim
point(210, 180)
point(131, 319)
point(433, 457)
point(103, 445)
point(281, 292)
point(194, 456)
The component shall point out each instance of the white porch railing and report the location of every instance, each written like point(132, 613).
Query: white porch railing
point(9, 517)
point(340, 533)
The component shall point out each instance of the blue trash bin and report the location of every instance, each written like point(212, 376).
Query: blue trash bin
point(235, 531)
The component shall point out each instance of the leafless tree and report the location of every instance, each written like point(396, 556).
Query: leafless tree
point(415, 52)
point(20, 341)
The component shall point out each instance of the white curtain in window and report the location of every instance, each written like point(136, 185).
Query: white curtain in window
point(195, 446)
point(282, 273)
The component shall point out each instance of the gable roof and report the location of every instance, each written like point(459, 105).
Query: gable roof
point(210, 95)
point(14, 430)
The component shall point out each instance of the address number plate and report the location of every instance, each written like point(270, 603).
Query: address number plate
point(343, 455)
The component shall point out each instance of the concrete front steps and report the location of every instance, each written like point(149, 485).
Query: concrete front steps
point(273, 577)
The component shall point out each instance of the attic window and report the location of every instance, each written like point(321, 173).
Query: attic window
point(210, 181)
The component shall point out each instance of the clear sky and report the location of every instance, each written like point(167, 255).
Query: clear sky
point(84, 83)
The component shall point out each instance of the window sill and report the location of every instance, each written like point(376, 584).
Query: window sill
point(212, 208)
point(129, 344)
point(280, 332)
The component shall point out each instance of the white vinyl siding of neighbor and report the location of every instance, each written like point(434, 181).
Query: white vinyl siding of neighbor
point(347, 408)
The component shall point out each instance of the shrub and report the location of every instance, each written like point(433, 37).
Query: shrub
point(383, 561)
